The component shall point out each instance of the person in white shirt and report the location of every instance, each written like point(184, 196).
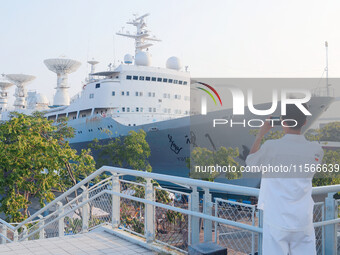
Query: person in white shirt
point(286, 197)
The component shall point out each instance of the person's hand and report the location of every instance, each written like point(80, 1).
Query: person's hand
point(267, 126)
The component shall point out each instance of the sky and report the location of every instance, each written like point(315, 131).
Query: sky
point(227, 38)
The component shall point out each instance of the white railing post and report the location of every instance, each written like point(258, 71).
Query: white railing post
point(207, 209)
point(330, 230)
point(4, 233)
point(115, 201)
point(195, 221)
point(41, 225)
point(15, 236)
point(260, 224)
point(61, 223)
point(24, 233)
point(85, 210)
point(149, 212)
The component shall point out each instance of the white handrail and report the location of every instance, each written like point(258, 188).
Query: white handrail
point(7, 224)
point(213, 186)
point(156, 204)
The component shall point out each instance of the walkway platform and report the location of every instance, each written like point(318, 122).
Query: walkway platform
point(96, 242)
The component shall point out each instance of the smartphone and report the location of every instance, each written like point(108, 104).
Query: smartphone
point(277, 120)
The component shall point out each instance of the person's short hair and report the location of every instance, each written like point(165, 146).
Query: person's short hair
point(294, 113)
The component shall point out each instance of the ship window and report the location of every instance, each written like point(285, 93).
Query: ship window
point(147, 78)
point(128, 109)
point(185, 83)
point(136, 94)
point(97, 85)
point(123, 109)
point(122, 93)
point(150, 94)
point(128, 93)
point(135, 77)
point(159, 79)
point(128, 77)
point(153, 78)
point(140, 94)
point(141, 109)
point(91, 95)
point(83, 115)
point(160, 100)
point(137, 109)
point(153, 94)
point(141, 78)
point(113, 93)
point(180, 82)
point(154, 109)
point(170, 80)
point(165, 80)
point(150, 109)
point(175, 81)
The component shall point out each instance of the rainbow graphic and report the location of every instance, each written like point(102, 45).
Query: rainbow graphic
point(209, 93)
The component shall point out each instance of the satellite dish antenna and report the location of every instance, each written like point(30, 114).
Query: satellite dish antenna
point(20, 81)
point(62, 67)
point(93, 64)
point(4, 85)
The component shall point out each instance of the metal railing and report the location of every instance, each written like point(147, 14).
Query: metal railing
point(165, 216)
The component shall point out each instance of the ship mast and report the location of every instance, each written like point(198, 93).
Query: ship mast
point(326, 68)
point(142, 36)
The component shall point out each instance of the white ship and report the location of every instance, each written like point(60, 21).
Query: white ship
point(135, 96)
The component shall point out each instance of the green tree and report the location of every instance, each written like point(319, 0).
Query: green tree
point(203, 158)
point(36, 161)
point(131, 151)
point(329, 133)
point(331, 174)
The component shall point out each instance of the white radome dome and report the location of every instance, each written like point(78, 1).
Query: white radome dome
point(41, 99)
point(143, 59)
point(128, 59)
point(174, 63)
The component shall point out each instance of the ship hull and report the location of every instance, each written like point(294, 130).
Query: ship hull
point(170, 141)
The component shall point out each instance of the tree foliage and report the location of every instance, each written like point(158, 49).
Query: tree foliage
point(328, 133)
point(331, 158)
point(37, 160)
point(203, 158)
point(131, 151)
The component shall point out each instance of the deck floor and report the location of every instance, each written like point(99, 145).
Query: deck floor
point(92, 243)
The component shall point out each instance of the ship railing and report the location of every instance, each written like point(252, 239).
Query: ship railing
point(323, 92)
point(168, 217)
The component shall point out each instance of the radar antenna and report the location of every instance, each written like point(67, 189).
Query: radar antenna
point(20, 80)
point(142, 36)
point(93, 64)
point(4, 85)
point(62, 67)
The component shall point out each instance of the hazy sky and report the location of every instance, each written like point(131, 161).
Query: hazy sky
point(239, 38)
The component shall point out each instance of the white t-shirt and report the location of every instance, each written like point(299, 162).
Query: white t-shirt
point(286, 198)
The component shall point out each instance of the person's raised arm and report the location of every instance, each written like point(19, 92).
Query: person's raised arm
point(263, 130)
